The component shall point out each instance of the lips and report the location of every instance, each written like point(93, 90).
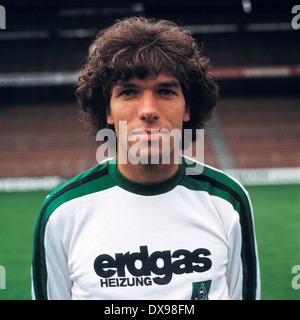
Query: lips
point(148, 131)
point(148, 134)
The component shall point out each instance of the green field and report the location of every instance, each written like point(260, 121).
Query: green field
point(277, 220)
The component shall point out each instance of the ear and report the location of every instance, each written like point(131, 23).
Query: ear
point(109, 117)
point(186, 115)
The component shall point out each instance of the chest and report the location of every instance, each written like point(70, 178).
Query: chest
point(126, 245)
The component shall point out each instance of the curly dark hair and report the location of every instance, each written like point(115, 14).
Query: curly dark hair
point(140, 47)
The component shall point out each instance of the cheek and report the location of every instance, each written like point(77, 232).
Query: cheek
point(186, 116)
point(114, 114)
point(180, 114)
point(109, 118)
point(110, 114)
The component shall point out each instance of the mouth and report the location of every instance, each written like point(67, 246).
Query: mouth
point(147, 134)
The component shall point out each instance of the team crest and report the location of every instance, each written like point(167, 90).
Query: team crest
point(201, 290)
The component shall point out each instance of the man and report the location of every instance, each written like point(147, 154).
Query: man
point(132, 227)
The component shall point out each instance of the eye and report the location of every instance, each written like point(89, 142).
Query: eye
point(128, 92)
point(166, 92)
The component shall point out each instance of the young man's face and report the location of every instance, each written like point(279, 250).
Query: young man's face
point(153, 103)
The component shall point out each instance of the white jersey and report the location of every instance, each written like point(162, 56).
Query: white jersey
point(102, 236)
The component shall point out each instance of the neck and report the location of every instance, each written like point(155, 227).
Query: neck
point(148, 173)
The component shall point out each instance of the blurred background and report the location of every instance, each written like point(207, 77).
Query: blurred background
point(254, 135)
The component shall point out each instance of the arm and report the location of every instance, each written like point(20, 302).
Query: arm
point(242, 274)
point(50, 274)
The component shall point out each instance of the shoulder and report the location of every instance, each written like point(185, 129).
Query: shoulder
point(217, 183)
point(93, 180)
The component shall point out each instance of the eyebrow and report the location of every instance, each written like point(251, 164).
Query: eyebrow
point(125, 84)
point(170, 84)
point(165, 84)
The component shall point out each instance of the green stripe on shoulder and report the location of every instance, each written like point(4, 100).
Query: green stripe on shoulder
point(226, 180)
point(216, 183)
point(83, 184)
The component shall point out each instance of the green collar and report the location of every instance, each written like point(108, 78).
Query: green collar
point(146, 189)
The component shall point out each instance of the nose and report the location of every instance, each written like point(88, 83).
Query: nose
point(148, 108)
